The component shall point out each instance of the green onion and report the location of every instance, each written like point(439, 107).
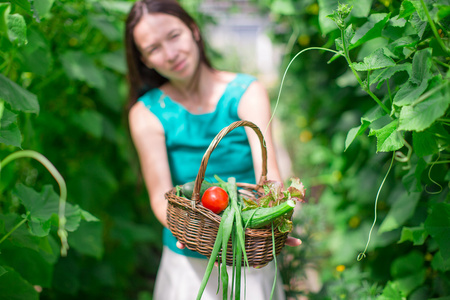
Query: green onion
point(214, 253)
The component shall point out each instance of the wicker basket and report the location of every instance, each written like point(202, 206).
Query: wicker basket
point(196, 226)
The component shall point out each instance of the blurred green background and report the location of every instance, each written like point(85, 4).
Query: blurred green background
point(63, 94)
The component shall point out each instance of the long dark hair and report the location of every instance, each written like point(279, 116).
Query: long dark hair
point(140, 77)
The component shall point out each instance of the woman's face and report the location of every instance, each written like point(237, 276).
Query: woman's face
point(167, 45)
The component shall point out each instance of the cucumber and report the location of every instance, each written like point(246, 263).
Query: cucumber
point(188, 188)
point(259, 217)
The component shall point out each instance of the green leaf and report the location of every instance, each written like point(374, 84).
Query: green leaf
point(425, 142)
point(90, 121)
point(409, 271)
point(36, 55)
point(66, 276)
point(283, 7)
point(44, 209)
point(18, 97)
point(354, 132)
point(397, 47)
point(392, 292)
point(13, 286)
point(121, 7)
point(284, 225)
point(249, 203)
point(421, 65)
point(88, 216)
point(21, 237)
point(418, 24)
point(418, 81)
point(438, 226)
point(80, 66)
point(443, 11)
point(388, 138)
point(406, 9)
point(413, 179)
point(40, 228)
point(421, 116)
point(73, 217)
point(42, 7)
point(17, 30)
point(419, 8)
point(370, 30)
point(401, 211)
point(2, 271)
point(376, 60)
point(409, 93)
point(115, 61)
point(4, 12)
point(40, 205)
point(30, 264)
point(416, 235)
point(106, 26)
point(439, 263)
point(88, 239)
point(385, 74)
point(24, 4)
point(9, 132)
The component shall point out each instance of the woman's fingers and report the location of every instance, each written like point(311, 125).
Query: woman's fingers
point(180, 245)
point(293, 242)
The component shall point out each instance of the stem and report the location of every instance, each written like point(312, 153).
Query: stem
point(441, 63)
point(389, 92)
point(442, 162)
point(12, 230)
point(363, 254)
point(429, 93)
point(434, 29)
point(284, 76)
point(363, 86)
point(62, 233)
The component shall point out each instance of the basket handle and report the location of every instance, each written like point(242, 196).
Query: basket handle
point(213, 145)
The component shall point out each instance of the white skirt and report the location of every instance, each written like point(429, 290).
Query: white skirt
point(179, 278)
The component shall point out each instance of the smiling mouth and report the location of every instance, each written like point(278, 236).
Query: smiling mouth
point(178, 66)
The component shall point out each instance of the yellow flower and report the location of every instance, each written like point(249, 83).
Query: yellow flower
point(386, 2)
point(354, 221)
point(304, 40)
point(305, 136)
point(340, 268)
point(313, 9)
point(73, 42)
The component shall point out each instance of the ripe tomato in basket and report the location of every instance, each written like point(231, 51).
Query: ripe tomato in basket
point(215, 198)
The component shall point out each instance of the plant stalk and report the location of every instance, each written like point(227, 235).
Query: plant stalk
point(434, 29)
point(363, 86)
point(12, 230)
point(62, 233)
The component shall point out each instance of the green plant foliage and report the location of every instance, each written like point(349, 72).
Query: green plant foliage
point(62, 94)
point(382, 93)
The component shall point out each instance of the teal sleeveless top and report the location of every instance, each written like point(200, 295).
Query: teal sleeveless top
point(188, 136)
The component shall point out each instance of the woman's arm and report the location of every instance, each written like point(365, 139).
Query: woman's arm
point(255, 107)
point(148, 137)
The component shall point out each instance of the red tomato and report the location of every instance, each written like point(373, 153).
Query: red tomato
point(215, 198)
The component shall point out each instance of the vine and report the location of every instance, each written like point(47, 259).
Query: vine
point(62, 233)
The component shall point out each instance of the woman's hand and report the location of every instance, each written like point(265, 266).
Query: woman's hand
point(293, 242)
point(180, 245)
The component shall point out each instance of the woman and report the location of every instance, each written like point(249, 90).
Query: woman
point(178, 103)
